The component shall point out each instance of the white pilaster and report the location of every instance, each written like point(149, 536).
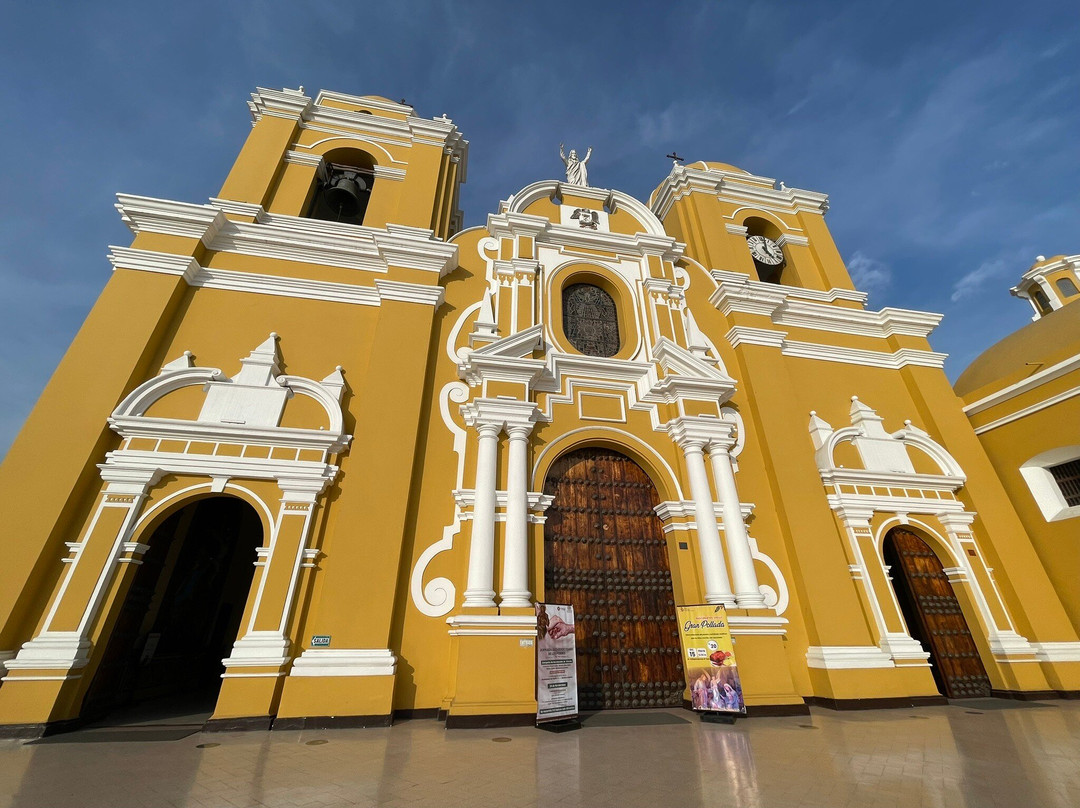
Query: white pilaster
point(747, 593)
point(515, 582)
point(480, 592)
point(717, 587)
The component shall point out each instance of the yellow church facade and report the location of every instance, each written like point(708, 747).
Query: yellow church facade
point(317, 451)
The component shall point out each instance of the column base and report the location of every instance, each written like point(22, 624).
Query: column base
point(309, 700)
point(495, 670)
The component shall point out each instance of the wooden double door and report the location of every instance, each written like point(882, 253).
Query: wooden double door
point(606, 555)
point(934, 616)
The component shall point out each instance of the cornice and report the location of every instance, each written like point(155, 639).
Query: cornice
point(146, 214)
point(410, 292)
point(776, 291)
point(745, 335)
point(812, 310)
point(500, 412)
point(698, 429)
point(276, 285)
point(895, 479)
point(141, 426)
point(1030, 383)
point(291, 238)
point(734, 187)
point(290, 104)
point(183, 266)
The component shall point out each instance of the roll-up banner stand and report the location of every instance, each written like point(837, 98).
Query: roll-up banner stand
point(709, 663)
point(556, 667)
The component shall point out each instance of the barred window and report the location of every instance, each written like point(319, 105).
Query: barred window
point(590, 321)
point(1067, 476)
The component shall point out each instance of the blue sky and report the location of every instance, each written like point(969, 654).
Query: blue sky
point(945, 134)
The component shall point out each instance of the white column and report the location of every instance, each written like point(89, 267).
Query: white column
point(515, 580)
point(747, 594)
point(717, 588)
point(479, 592)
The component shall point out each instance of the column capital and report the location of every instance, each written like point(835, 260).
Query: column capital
point(500, 412)
point(294, 489)
point(855, 516)
point(695, 432)
point(956, 522)
point(129, 480)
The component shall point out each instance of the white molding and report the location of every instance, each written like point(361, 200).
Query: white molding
point(258, 649)
point(52, 650)
point(846, 657)
point(856, 356)
point(773, 294)
point(681, 509)
point(747, 335)
point(1030, 383)
point(1008, 644)
point(410, 292)
point(291, 238)
point(1022, 413)
point(492, 625)
point(1044, 488)
point(183, 266)
point(185, 219)
point(1057, 651)
point(904, 647)
point(733, 186)
point(281, 286)
point(344, 662)
point(768, 626)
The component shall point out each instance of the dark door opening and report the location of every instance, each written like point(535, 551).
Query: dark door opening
point(181, 615)
point(934, 617)
point(606, 555)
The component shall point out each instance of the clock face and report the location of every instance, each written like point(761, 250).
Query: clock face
point(765, 250)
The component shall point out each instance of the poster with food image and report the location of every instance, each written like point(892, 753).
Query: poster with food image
point(556, 663)
point(709, 659)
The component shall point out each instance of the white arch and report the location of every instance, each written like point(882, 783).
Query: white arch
point(316, 391)
point(139, 400)
point(350, 140)
point(545, 188)
point(256, 503)
point(558, 444)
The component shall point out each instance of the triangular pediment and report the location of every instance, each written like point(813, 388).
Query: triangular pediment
point(674, 359)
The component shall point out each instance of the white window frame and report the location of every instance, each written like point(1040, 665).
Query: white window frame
point(1044, 488)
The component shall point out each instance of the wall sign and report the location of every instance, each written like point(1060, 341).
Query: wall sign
point(320, 641)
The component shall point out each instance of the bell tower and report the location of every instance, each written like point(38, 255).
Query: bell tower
point(1050, 284)
point(331, 234)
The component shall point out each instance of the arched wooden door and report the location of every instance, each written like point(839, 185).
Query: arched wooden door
point(934, 616)
point(605, 554)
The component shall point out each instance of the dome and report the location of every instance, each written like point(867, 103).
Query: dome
point(1038, 345)
point(711, 166)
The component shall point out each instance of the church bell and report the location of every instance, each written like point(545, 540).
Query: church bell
point(345, 193)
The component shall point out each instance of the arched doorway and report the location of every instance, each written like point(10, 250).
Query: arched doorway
point(933, 615)
point(181, 614)
point(605, 554)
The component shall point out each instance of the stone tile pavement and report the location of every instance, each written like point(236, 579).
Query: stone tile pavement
point(979, 754)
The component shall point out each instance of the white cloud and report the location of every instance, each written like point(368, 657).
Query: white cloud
point(973, 282)
point(868, 273)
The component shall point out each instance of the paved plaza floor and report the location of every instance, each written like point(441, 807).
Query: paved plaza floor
point(972, 753)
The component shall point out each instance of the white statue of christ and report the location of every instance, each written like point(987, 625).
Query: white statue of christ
point(576, 172)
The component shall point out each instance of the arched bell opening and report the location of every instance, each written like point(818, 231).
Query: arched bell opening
point(605, 554)
point(343, 187)
point(934, 616)
point(181, 614)
point(769, 259)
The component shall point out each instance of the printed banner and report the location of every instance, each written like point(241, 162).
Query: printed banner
point(709, 659)
point(556, 663)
